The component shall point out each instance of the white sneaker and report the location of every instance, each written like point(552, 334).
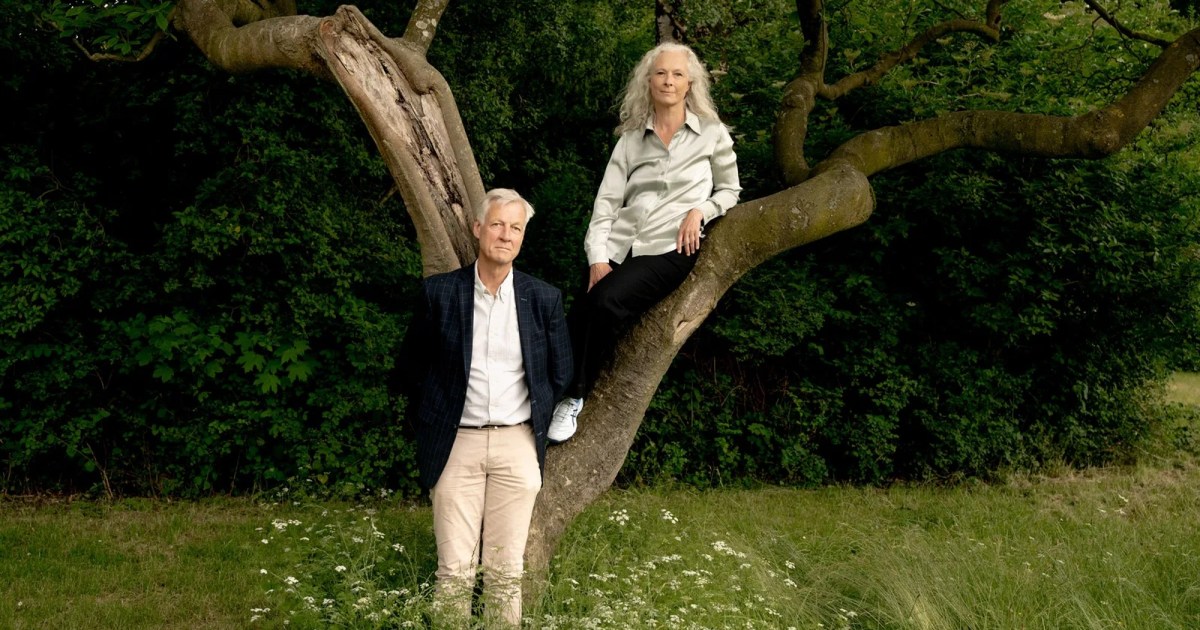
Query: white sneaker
point(562, 423)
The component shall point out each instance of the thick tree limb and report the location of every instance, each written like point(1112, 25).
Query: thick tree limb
point(1092, 135)
point(800, 95)
point(407, 106)
point(237, 39)
point(752, 232)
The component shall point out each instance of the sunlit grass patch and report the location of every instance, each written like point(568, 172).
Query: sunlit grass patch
point(1184, 387)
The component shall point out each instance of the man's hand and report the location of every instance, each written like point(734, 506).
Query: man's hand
point(597, 272)
point(688, 240)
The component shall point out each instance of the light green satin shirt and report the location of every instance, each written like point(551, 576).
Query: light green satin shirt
point(648, 189)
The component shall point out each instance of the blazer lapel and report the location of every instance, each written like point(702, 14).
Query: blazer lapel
point(466, 315)
point(524, 316)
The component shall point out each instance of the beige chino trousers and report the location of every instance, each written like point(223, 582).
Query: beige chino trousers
point(482, 505)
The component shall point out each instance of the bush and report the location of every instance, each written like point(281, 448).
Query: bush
point(992, 314)
point(214, 310)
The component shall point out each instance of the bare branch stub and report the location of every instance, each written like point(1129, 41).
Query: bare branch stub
point(1122, 29)
point(422, 26)
point(667, 26)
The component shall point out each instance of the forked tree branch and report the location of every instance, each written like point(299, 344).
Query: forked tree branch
point(1092, 135)
point(146, 51)
point(405, 102)
point(799, 98)
point(1125, 31)
point(751, 233)
point(989, 29)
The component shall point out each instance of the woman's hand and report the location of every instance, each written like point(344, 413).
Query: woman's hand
point(597, 272)
point(688, 240)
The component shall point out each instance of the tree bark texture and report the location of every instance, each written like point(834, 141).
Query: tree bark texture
point(414, 120)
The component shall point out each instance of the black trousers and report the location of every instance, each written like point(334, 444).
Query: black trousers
point(599, 317)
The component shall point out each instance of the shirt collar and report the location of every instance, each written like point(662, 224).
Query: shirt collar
point(505, 293)
point(691, 121)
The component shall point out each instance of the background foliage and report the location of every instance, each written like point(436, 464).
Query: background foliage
point(204, 278)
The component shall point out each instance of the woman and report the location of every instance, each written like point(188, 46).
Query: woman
point(672, 172)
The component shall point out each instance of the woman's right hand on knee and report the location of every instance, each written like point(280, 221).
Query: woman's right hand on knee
point(597, 273)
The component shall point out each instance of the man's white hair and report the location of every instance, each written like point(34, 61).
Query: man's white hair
point(502, 197)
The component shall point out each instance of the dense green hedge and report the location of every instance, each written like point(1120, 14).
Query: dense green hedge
point(965, 329)
point(204, 278)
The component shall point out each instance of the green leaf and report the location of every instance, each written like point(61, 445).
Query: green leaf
point(251, 361)
point(294, 353)
point(269, 383)
point(300, 371)
point(164, 372)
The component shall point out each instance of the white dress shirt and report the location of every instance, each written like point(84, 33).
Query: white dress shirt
point(649, 188)
point(496, 390)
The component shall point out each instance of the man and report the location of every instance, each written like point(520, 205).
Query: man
point(489, 355)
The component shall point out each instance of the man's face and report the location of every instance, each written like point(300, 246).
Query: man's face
point(501, 233)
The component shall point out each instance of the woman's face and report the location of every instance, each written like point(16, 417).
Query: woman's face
point(669, 81)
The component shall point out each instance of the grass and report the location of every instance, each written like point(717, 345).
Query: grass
point(1184, 388)
point(1105, 549)
point(1110, 548)
point(1099, 549)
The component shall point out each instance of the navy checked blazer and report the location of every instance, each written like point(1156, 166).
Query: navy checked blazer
point(437, 360)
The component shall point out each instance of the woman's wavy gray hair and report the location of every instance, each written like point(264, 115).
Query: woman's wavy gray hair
point(636, 105)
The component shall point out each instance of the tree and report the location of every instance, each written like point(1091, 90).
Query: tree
point(409, 110)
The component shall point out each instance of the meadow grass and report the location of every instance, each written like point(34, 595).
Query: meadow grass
point(1106, 548)
point(1093, 549)
point(1103, 549)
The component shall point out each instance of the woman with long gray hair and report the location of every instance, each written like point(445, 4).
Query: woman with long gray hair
point(672, 172)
